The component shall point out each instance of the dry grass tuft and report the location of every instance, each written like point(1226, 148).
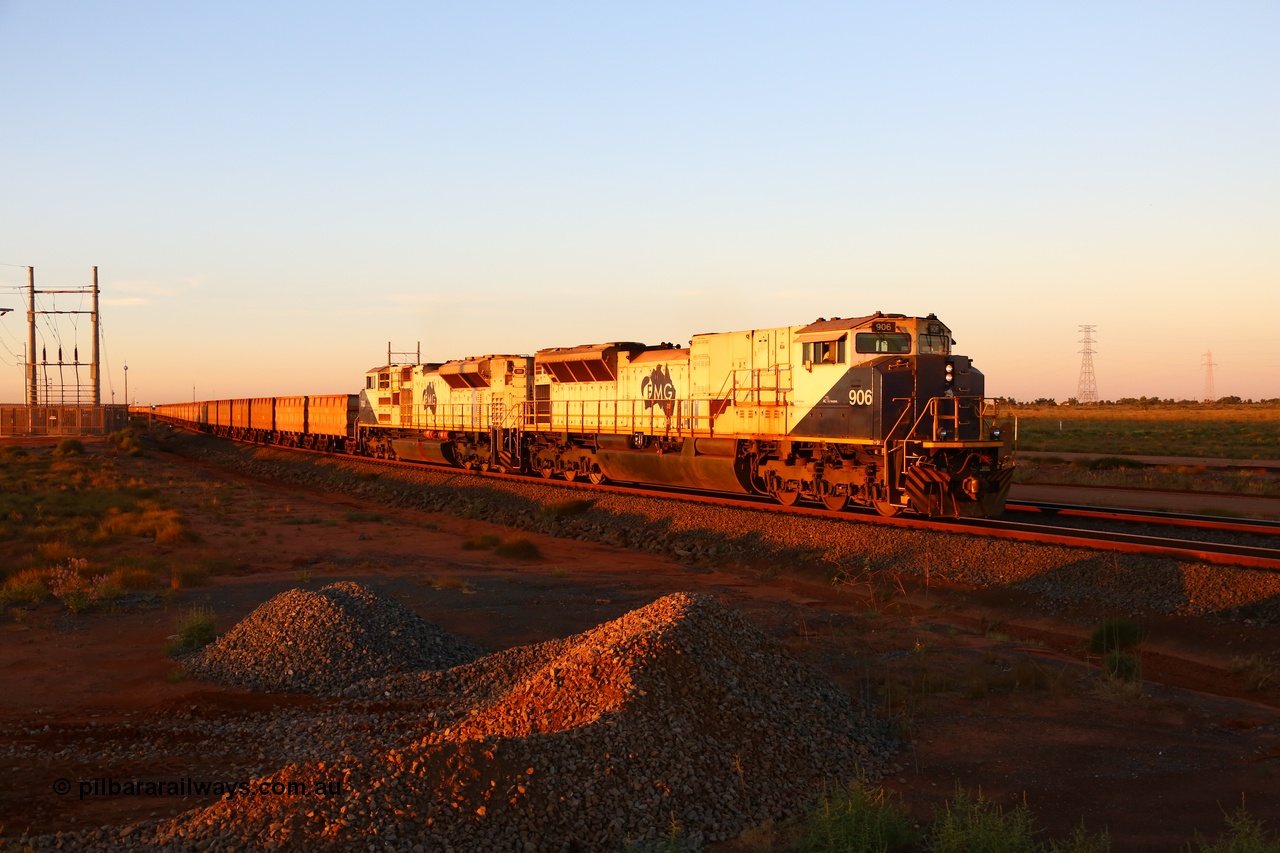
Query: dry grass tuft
point(30, 586)
point(1261, 673)
point(185, 576)
point(518, 549)
point(132, 579)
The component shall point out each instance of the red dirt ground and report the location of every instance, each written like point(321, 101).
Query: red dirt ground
point(987, 691)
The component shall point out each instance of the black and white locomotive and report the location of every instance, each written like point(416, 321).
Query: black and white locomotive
point(874, 410)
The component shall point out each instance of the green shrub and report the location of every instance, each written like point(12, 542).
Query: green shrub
point(196, 630)
point(30, 586)
point(1245, 834)
point(518, 549)
point(69, 447)
point(969, 825)
point(119, 437)
point(125, 442)
point(364, 516)
point(1116, 635)
point(1081, 842)
point(1122, 667)
point(859, 820)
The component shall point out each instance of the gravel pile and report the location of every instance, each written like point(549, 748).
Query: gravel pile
point(678, 714)
point(320, 642)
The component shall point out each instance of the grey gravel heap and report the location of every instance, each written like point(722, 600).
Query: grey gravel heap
point(320, 642)
point(677, 714)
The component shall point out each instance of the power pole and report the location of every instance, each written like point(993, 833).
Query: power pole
point(33, 397)
point(95, 376)
point(1087, 388)
point(1209, 395)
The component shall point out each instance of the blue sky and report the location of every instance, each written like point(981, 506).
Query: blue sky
point(273, 191)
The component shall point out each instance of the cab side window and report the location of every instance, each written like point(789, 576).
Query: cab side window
point(825, 352)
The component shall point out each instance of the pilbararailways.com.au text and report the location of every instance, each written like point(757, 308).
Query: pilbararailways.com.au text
point(107, 786)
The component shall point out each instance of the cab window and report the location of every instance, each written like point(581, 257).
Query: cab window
point(825, 352)
point(935, 345)
point(894, 342)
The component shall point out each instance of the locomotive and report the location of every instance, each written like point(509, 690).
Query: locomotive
point(875, 411)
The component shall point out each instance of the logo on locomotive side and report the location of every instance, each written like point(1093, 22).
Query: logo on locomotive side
point(657, 389)
point(429, 397)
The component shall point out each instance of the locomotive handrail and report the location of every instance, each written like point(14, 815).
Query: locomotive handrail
point(757, 388)
point(624, 417)
point(931, 410)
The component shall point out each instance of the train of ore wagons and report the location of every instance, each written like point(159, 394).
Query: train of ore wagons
point(874, 411)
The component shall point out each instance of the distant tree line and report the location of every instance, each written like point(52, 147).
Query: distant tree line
point(1141, 401)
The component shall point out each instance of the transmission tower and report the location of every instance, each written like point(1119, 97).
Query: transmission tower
point(1087, 389)
point(1209, 394)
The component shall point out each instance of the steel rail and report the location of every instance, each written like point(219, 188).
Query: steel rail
point(1136, 516)
point(1183, 550)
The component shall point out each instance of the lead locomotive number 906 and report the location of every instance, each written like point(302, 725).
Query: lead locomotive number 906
point(875, 411)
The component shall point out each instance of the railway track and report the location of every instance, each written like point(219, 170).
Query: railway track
point(1186, 550)
point(1263, 552)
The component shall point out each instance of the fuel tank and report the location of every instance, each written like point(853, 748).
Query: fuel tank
point(704, 463)
point(421, 450)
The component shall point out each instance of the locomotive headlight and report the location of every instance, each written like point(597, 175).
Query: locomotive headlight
point(951, 373)
point(944, 434)
point(995, 433)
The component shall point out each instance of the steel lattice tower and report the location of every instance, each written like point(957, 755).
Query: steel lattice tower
point(1087, 389)
point(1209, 394)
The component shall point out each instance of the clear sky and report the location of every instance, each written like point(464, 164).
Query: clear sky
point(274, 191)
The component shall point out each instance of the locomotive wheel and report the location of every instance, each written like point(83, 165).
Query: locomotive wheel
point(547, 472)
point(570, 474)
point(835, 503)
point(887, 509)
point(596, 476)
point(786, 498)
